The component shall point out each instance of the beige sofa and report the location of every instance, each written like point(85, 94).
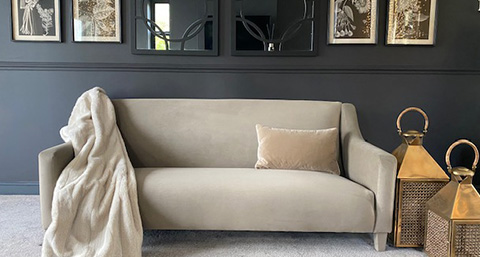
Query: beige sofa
point(194, 163)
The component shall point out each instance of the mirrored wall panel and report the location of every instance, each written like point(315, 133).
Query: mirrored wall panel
point(273, 27)
point(175, 27)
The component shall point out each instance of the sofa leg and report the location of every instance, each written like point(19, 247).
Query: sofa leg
point(380, 241)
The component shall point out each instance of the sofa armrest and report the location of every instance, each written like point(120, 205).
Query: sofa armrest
point(369, 166)
point(51, 163)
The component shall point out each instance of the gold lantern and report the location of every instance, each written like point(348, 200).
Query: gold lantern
point(453, 214)
point(419, 178)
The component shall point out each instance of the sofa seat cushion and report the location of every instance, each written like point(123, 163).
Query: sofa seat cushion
point(249, 199)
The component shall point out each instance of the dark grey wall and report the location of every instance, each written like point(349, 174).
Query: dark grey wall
point(40, 82)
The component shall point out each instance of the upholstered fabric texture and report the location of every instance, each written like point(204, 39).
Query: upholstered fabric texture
point(95, 205)
point(203, 134)
point(369, 166)
point(250, 199)
point(51, 163)
point(210, 133)
point(295, 149)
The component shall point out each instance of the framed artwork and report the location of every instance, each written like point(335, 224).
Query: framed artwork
point(96, 21)
point(412, 22)
point(352, 22)
point(36, 20)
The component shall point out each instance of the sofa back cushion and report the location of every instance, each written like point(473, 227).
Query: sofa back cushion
point(210, 133)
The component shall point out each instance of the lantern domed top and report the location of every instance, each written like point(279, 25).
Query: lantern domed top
point(458, 200)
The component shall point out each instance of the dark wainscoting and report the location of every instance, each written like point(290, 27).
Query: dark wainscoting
point(39, 82)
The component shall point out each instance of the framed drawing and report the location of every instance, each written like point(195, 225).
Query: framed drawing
point(36, 20)
point(412, 22)
point(352, 22)
point(96, 21)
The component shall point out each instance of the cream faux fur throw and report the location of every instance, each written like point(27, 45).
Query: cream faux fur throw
point(95, 207)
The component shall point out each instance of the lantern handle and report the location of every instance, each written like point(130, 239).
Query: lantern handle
point(459, 142)
point(409, 109)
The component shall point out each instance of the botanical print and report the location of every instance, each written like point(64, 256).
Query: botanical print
point(345, 20)
point(47, 18)
point(352, 21)
point(35, 20)
point(411, 21)
point(97, 20)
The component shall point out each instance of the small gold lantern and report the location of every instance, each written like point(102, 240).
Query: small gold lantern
point(453, 214)
point(419, 178)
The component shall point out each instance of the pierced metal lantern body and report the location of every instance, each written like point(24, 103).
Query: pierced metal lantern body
point(453, 214)
point(419, 178)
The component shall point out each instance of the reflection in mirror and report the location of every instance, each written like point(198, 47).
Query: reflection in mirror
point(273, 27)
point(181, 27)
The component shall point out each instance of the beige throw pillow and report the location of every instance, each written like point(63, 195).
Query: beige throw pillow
point(292, 149)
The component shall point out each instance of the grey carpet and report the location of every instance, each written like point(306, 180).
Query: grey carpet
point(21, 235)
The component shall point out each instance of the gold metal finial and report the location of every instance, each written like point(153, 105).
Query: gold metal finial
point(462, 171)
point(409, 109)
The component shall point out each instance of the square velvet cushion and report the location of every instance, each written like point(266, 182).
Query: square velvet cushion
point(293, 149)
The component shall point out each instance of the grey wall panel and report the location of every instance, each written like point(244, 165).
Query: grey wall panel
point(39, 82)
point(36, 104)
point(456, 46)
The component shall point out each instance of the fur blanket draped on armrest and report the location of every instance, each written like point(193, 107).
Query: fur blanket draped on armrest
point(95, 207)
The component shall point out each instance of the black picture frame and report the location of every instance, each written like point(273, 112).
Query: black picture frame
point(214, 42)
